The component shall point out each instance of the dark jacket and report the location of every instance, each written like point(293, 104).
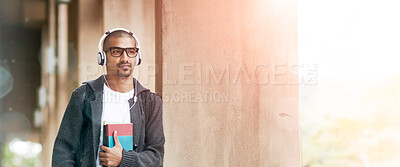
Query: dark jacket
point(79, 134)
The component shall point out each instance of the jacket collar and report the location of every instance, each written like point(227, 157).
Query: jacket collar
point(97, 85)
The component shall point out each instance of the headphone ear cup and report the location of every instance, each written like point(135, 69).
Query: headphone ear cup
point(101, 58)
point(138, 59)
point(104, 58)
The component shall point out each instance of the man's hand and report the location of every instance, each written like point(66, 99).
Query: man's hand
point(111, 156)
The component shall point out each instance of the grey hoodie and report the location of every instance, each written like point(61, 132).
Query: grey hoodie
point(79, 134)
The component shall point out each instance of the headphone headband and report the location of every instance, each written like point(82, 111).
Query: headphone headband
point(100, 46)
point(101, 56)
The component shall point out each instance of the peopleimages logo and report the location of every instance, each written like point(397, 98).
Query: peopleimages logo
point(232, 74)
point(196, 97)
point(222, 73)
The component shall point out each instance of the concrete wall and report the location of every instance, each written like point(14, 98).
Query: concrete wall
point(230, 94)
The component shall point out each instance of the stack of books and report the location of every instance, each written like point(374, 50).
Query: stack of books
point(124, 133)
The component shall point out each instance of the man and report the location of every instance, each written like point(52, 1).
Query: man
point(115, 97)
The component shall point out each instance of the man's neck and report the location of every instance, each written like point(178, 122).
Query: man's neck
point(120, 84)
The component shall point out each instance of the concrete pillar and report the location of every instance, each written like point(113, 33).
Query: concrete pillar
point(63, 82)
point(138, 17)
point(49, 125)
point(44, 139)
point(90, 29)
point(229, 90)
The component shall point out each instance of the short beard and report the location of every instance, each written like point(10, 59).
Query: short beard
point(124, 75)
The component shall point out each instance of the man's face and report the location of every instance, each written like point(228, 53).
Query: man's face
point(124, 65)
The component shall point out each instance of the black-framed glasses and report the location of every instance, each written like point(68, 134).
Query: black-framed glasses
point(117, 51)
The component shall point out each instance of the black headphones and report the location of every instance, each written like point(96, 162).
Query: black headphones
point(101, 56)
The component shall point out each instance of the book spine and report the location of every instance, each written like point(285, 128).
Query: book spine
point(105, 137)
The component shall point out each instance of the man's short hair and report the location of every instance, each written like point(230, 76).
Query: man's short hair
point(116, 34)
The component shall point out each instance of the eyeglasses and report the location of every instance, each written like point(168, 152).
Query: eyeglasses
point(117, 51)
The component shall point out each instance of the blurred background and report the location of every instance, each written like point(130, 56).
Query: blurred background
point(342, 112)
point(350, 117)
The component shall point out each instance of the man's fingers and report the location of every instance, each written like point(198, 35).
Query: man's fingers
point(103, 159)
point(104, 148)
point(102, 154)
point(103, 163)
point(116, 139)
point(110, 157)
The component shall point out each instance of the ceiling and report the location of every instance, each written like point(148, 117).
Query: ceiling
point(28, 13)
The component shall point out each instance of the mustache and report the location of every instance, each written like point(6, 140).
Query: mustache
point(121, 64)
